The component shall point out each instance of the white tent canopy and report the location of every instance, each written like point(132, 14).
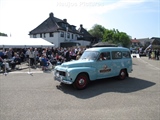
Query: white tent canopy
point(11, 42)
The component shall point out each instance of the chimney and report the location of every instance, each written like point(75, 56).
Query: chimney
point(51, 15)
point(65, 20)
point(81, 25)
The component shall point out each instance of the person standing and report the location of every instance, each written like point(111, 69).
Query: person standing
point(10, 53)
point(27, 55)
point(157, 54)
point(48, 53)
point(31, 56)
point(36, 56)
point(149, 53)
point(44, 62)
point(1, 54)
point(67, 55)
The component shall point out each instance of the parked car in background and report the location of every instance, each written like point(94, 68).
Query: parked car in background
point(142, 53)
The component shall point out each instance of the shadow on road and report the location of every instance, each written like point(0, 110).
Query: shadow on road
point(107, 85)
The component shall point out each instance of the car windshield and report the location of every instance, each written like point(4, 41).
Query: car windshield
point(89, 55)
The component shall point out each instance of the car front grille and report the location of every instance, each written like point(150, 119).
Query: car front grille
point(62, 73)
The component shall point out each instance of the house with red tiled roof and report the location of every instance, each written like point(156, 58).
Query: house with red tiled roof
point(60, 32)
point(135, 43)
point(145, 43)
point(141, 42)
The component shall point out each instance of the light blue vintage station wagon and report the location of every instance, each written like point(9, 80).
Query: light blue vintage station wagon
point(95, 63)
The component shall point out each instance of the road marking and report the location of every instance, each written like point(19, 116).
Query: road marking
point(149, 64)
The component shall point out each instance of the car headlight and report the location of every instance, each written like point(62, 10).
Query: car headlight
point(57, 74)
point(68, 74)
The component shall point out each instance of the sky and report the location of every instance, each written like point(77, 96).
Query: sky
point(137, 18)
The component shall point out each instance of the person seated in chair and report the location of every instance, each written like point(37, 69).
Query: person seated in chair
point(1, 64)
point(16, 60)
point(4, 65)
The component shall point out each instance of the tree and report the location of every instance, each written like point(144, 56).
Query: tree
point(116, 37)
point(112, 36)
point(97, 31)
point(3, 34)
point(124, 39)
point(108, 36)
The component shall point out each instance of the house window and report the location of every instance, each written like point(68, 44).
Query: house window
point(62, 24)
point(40, 35)
point(68, 35)
point(73, 28)
point(44, 35)
point(72, 36)
point(51, 34)
point(62, 34)
point(78, 36)
point(34, 35)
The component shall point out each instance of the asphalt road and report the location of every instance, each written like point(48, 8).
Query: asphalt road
point(37, 96)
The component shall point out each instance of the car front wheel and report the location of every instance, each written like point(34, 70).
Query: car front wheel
point(81, 81)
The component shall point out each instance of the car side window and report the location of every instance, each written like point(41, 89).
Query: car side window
point(108, 56)
point(116, 55)
point(104, 56)
point(126, 54)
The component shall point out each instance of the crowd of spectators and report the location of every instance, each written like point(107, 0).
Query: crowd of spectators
point(11, 57)
point(153, 54)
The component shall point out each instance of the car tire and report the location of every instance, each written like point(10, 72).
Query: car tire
point(81, 81)
point(123, 74)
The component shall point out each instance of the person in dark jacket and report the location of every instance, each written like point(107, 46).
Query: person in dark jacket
point(157, 54)
point(67, 55)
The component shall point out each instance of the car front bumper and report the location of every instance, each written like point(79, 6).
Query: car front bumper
point(62, 80)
